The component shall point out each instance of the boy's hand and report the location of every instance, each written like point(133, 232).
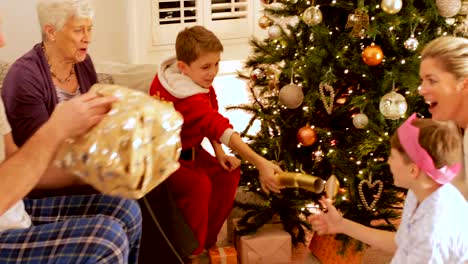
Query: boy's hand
point(328, 222)
point(267, 177)
point(78, 115)
point(228, 162)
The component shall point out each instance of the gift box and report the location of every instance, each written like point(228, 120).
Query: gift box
point(223, 255)
point(135, 147)
point(327, 249)
point(270, 245)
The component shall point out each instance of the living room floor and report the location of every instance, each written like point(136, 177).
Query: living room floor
point(232, 90)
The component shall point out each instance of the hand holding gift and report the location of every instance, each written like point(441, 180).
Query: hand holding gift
point(132, 150)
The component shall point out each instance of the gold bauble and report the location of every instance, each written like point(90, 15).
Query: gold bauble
point(264, 22)
point(392, 6)
point(306, 135)
point(372, 55)
point(393, 105)
point(332, 186)
point(312, 16)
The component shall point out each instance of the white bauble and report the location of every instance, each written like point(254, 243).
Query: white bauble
point(448, 8)
point(393, 105)
point(360, 120)
point(274, 31)
point(291, 96)
point(391, 6)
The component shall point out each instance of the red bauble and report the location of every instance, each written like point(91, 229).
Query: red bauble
point(306, 135)
point(372, 55)
point(266, 2)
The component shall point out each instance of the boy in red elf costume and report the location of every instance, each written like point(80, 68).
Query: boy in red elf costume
point(204, 187)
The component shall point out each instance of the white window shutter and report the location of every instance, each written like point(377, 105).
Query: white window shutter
point(171, 16)
point(229, 19)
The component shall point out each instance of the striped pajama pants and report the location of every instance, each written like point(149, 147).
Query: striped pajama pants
point(76, 229)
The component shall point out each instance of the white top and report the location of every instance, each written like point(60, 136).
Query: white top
point(436, 231)
point(16, 216)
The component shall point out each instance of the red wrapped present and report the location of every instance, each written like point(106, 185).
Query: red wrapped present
point(223, 255)
point(270, 245)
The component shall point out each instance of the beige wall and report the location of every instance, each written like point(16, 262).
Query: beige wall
point(122, 32)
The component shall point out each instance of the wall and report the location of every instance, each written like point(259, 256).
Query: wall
point(122, 32)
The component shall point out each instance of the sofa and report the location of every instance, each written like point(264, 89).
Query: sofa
point(166, 236)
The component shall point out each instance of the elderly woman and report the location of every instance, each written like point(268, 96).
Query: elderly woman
point(57, 69)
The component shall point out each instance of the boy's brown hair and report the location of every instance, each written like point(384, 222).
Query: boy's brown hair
point(193, 41)
point(441, 140)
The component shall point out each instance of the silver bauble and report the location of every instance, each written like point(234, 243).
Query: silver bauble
point(393, 105)
point(412, 43)
point(291, 96)
point(448, 8)
point(274, 32)
point(312, 16)
point(392, 6)
point(360, 120)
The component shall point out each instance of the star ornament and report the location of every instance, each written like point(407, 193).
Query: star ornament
point(359, 21)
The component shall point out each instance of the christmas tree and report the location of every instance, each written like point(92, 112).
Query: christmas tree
point(330, 84)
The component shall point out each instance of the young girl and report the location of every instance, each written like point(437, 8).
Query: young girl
point(425, 156)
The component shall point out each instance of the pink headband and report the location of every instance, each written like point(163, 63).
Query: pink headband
point(409, 139)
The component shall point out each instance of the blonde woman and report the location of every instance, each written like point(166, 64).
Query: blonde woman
point(444, 76)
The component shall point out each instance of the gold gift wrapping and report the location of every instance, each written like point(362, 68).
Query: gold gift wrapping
point(132, 150)
point(301, 180)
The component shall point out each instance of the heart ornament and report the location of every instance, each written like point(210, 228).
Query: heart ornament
point(328, 104)
point(378, 183)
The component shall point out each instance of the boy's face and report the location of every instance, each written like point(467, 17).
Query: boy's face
point(401, 169)
point(203, 70)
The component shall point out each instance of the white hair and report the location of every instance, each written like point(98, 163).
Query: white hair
point(57, 12)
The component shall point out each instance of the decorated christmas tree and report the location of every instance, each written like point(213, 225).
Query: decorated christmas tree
point(330, 84)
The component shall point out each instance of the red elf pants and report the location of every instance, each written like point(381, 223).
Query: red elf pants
point(204, 193)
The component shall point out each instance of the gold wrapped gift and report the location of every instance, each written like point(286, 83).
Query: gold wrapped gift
point(132, 150)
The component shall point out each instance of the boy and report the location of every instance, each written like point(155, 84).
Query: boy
point(425, 156)
point(203, 187)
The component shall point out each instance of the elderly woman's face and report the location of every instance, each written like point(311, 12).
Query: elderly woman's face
point(74, 38)
point(441, 90)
